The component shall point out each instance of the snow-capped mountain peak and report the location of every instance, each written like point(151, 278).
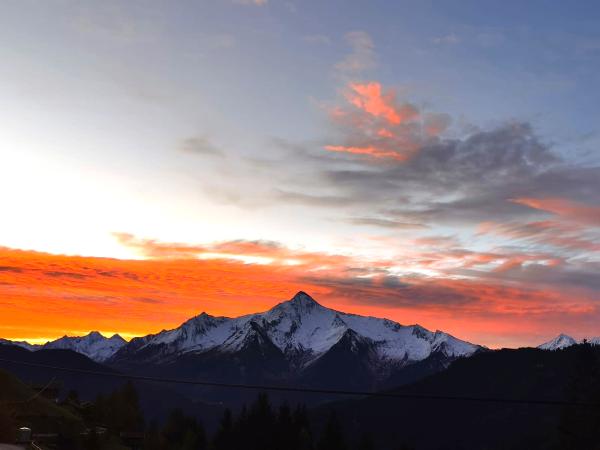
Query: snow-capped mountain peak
point(303, 300)
point(559, 342)
point(23, 344)
point(94, 345)
point(301, 329)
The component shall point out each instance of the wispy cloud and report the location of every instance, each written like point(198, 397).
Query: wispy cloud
point(362, 56)
point(450, 39)
point(251, 2)
point(565, 208)
point(200, 145)
point(434, 283)
point(374, 123)
point(317, 39)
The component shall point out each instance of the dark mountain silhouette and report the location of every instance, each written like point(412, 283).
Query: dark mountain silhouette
point(298, 342)
point(504, 375)
point(156, 399)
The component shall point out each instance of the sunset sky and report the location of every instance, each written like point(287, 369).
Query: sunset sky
point(430, 162)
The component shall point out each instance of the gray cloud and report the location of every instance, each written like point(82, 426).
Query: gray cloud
point(385, 223)
point(361, 58)
point(468, 180)
point(394, 292)
point(313, 200)
point(201, 145)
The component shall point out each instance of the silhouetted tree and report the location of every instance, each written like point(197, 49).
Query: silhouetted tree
point(120, 411)
point(579, 427)
point(366, 442)
point(285, 432)
point(184, 433)
point(92, 441)
point(261, 424)
point(153, 438)
point(332, 437)
point(73, 397)
point(224, 438)
point(7, 424)
point(302, 425)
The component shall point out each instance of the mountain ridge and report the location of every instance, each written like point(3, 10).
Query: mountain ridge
point(301, 326)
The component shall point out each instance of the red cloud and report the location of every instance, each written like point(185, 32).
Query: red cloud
point(561, 234)
point(369, 151)
point(564, 208)
point(378, 127)
point(370, 98)
point(48, 295)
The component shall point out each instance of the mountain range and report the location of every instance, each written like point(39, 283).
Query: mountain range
point(93, 345)
point(453, 418)
point(563, 341)
point(298, 341)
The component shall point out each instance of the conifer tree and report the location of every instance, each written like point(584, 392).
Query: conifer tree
point(332, 437)
point(224, 437)
point(579, 426)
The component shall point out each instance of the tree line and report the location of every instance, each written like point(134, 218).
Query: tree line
point(259, 426)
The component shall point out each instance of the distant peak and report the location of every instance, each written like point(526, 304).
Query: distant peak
point(95, 336)
point(203, 316)
point(564, 338)
point(559, 342)
point(303, 298)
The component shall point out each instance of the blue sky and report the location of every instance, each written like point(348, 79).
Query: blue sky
point(309, 124)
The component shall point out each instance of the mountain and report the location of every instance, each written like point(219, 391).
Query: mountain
point(454, 417)
point(94, 345)
point(23, 344)
point(73, 371)
point(303, 330)
point(563, 341)
point(23, 406)
point(558, 343)
point(297, 341)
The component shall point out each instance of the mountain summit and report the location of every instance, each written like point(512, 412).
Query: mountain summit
point(93, 345)
point(298, 336)
point(298, 340)
point(558, 343)
point(302, 299)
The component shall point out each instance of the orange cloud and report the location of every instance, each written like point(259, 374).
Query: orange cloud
point(380, 128)
point(564, 208)
point(560, 234)
point(370, 151)
point(46, 296)
point(382, 132)
point(370, 98)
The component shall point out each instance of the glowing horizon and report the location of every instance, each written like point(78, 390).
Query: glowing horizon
point(425, 163)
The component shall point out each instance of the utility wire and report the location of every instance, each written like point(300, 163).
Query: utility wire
point(265, 387)
point(41, 391)
point(33, 397)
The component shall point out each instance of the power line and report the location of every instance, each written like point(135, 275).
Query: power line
point(33, 397)
point(41, 391)
point(275, 388)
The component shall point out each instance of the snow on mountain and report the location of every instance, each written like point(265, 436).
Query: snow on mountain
point(563, 341)
point(558, 343)
point(23, 344)
point(302, 328)
point(94, 345)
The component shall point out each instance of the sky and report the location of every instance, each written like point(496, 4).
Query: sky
point(430, 162)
